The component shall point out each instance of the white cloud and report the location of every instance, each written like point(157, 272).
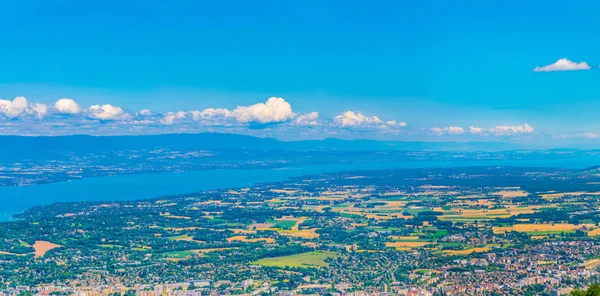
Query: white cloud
point(309, 119)
point(476, 130)
point(274, 110)
point(351, 119)
point(211, 113)
point(505, 130)
point(171, 117)
point(67, 106)
point(40, 110)
point(15, 108)
point(563, 65)
point(21, 107)
point(502, 130)
point(395, 123)
point(145, 112)
point(106, 112)
point(449, 130)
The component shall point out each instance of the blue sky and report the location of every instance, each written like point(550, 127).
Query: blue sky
point(427, 63)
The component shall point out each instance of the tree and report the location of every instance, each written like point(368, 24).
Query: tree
point(593, 290)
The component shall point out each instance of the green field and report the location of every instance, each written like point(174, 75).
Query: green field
point(310, 259)
point(110, 246)
point(181, 237)
point(283, 224)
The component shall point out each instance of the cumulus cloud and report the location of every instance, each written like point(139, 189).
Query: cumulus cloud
point(274, 110)
point(14, 108)
point(396, 123)
point(211, 113)
point(20, 107)
point(171, 117)
point(351, 119)
point(106, 112)
point(66, 113)
point(67, 106)
point(505, 130)
point(309, 119)
point(40, 110)
point(563, 65)
point(144, 112)
point(476, 130)
point(502, 130)
point(449, 130)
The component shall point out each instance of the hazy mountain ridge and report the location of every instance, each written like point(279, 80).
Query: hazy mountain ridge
point(208, 141)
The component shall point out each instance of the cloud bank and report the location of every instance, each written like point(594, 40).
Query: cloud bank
point(502, 130)
point(449, 130)
point(273, 117)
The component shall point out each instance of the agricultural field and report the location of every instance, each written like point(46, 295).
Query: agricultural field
point(407, 227)
point(305, 260)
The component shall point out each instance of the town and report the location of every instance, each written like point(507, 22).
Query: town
point(445, 231)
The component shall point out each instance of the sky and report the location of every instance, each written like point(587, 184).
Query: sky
point(517, 71)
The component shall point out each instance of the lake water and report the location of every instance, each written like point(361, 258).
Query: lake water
point(127, 187)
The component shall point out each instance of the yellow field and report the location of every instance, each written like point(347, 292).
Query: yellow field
point(167, 215)
point(276, 200)
point(594, 232)
point(409, 245)
point(243, 238)
point(467, 252)
point(314, 208)
point(538, 227)
point(331, 198)
point(359, 224)
point(591, 264)
point(469, 202)
point(378, 216)
point(41, 247)
point(554, 195)
point(305, 233)
point(395, 204)
point(373, 213)
point(510, 193)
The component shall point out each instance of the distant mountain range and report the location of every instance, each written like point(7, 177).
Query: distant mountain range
point(212, 141)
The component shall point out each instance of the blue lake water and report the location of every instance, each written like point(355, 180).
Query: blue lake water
point(127, 187)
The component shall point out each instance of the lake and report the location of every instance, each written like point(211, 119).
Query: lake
point(128, 187)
